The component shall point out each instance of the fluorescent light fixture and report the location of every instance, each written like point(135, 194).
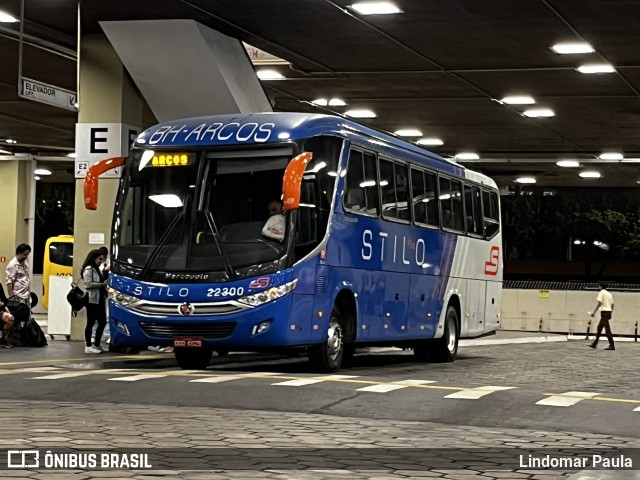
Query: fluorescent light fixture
point(269, 75)
point(467, 156)
point(168, 200)
point(360, 113)
point(11, 141)
point(600, 68)
point(526, 180)
point(337, 102)
point(375, 8)
point(6, 18)
point(42, 171)
point(71, 155)
point(568, 163)
point(539, 113)
point(36, 177)
point(408, 132)
point(630, 160)
point(611, 156)
point(518, 100)
point(590, 174)
point(569, 48)
point(321, 102)
point(430, 141)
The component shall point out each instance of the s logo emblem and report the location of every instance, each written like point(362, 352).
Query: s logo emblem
point(491, 267)
point(186, 309)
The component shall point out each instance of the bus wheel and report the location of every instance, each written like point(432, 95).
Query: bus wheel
point(445, 348)
point(193, 358)
point(328, 355)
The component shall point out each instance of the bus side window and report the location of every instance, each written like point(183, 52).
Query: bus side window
point(456, 202)
point(371, 182)
point(491, 213)
point(473, 210)
point(354, 197)
point(445, 202)
point(431, 199)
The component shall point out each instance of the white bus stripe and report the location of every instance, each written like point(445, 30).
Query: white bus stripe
point(389, 387)
point(311, 380)
point(566, 399)
point(478, 392)
point(135, 378)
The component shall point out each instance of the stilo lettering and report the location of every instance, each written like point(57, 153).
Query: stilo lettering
point(419, 247)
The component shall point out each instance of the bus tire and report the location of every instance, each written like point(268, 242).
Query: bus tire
point(327, 356)
point(445, 348)
point(193, 358)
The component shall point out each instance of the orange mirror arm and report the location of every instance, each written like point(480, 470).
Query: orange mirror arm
point(292, 181)
point(91, 180)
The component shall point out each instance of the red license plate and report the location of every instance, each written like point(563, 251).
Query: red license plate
point(193, 342)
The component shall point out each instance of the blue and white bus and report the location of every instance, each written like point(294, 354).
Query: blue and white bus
point(385, 243)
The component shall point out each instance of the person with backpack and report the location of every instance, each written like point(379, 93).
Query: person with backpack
point(6, 322)
point(96, 285)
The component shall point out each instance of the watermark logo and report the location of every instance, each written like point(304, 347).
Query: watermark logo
point(23, 458)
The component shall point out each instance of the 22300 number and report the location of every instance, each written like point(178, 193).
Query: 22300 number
point(225, 292)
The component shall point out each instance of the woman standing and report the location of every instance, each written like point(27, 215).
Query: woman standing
point(96, 285)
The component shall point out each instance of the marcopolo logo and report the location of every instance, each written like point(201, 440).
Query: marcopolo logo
point(23, 458)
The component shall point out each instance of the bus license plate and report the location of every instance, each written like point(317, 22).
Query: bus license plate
point(187, 342)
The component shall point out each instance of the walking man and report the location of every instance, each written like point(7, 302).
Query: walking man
point(605, 304)
point(18, 279)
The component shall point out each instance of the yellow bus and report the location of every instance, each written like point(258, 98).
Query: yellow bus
point(58, 260)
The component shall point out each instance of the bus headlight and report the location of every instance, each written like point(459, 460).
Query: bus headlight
point(268, 295)
point(121, 298)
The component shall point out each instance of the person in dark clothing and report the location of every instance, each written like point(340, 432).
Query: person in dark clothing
point(96, 286)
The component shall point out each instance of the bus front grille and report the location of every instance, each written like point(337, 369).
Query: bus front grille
point(162, 309)
point(204, 330)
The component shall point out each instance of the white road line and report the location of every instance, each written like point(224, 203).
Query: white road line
point(218, 379)
point(311, 380)
point(260, 374)
point(389, 387)
point(478, 392)
point(135, 378)
point(58, 376)
point(566, 399)
point(37, 369)
point(636, 409)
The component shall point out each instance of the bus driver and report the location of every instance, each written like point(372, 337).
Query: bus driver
point(274, 228)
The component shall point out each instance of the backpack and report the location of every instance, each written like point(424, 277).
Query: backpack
point(77, 298)
point(32, 334)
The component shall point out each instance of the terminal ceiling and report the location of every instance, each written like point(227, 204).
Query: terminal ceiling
point(440, 67)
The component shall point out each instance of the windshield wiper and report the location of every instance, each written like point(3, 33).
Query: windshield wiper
point(216, 238)
point(161, 243)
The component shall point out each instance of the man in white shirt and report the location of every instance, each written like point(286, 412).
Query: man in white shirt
point(605, 304)
point(18, 277)
point(274, 228)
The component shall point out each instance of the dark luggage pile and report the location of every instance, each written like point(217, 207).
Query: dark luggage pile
point(25, 332)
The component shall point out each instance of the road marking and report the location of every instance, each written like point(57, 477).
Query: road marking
point(105, 359)
point(219, 379)
point(636, 409)
point(478, 392)
point(566, 399)
point(135, 378)
point(58, 376)
point(311, 380)
point(389, 387)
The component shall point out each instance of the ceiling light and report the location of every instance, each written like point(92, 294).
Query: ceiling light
point(568, 48)
point(526, 180)
point(375, 8)
point(611, 156)
point(408, 132)
point(601, 68)
point(337, 102)
point(6, 18)
point(539, 113)
point(71, 155)
point(518, 100)
point(36, 178)
point(11, 141)
point(467, 156)
point(568, 163)
point(430, 141)
point(269, 75)
point(630, 160)
point(322, 102)
point(361, 113)
point(590, 174)
point(42, 171)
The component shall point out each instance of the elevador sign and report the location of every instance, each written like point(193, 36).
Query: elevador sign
point(49, 94)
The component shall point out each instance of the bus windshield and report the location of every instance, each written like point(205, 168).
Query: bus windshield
point(190, 211)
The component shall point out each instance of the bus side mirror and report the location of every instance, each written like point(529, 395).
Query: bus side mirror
point(292, 181)
point(91, 180)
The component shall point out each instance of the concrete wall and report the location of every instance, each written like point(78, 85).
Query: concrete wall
point(565, 311)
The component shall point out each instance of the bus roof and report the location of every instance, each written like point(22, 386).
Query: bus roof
point(274, 127)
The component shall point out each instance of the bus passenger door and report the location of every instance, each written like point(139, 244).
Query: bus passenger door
point(492, 306)
point(424, 309)
point(473, 315)
point(395, 307)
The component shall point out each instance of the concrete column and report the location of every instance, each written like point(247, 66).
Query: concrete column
point(16, 222)
point(106, 95)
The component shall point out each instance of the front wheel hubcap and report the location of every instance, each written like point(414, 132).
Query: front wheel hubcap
point(335, 341)
point(451, 334)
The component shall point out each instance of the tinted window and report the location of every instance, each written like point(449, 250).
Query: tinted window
point(473, 210)
point(491, 213)
point(394, 188)
point(457, 209)
point(362, 186)
point(418, 197)
point(61, 253)
point(431, 198)
point(445, 203)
